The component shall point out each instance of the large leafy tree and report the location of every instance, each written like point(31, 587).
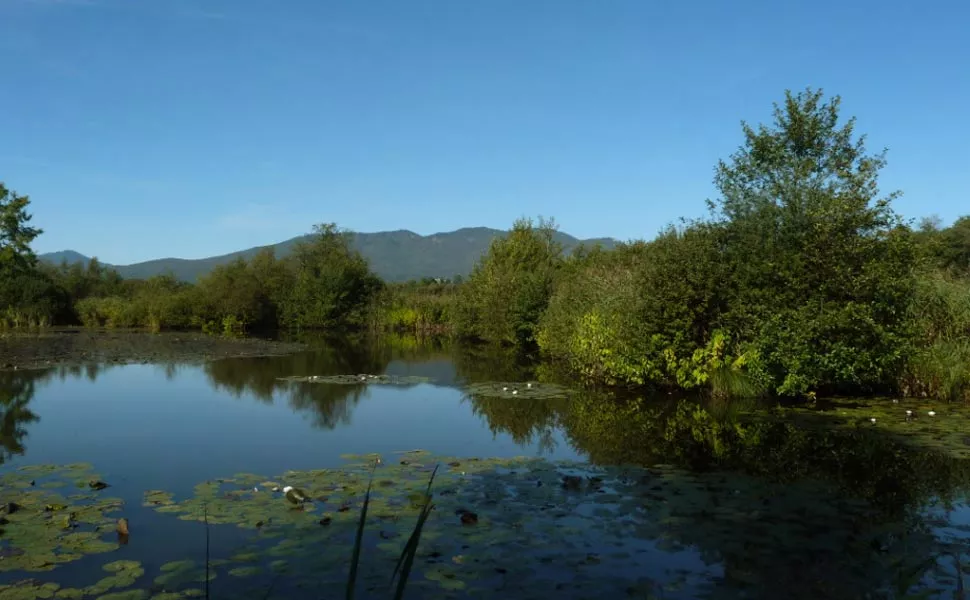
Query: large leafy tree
point(27, 295)
point(332, 282)
point(821, 265)
point(510, 287)
point(16, 256)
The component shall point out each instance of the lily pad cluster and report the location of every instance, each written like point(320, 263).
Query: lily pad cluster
point(360, 379)
point(522, 527)
point(922, 423)
point(53, 515)
point(518, 528)
point(525, 390)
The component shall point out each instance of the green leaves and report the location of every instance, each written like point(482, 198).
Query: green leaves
point(510, 286)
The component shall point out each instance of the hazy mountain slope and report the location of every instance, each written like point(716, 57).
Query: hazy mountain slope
point(394, 255)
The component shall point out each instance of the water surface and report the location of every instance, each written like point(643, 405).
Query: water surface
point(700, 531)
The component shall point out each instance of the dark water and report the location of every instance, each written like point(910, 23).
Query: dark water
point(171, 427)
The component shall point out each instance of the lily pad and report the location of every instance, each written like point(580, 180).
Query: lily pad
point(360, 379)
point(525, 390)
point(43, 529)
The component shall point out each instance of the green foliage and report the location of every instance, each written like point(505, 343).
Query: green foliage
point(332, 285)
point(25, 295)
point(939, 365)
point(592, 318)
point(16, 255)
point(416, 306)
point(947, 248)
point(821, 268)
point(509, 289)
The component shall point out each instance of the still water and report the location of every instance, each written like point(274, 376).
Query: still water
point(843, 529)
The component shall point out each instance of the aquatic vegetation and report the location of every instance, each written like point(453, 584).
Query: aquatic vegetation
point(53, 516)
point(525, 390)
point(946, 430)
point(515, 523)
point(360, 379)
point(518, 527)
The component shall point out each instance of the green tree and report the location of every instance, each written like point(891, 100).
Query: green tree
point(332, 283)
point(952, 249)
point(822, 268)
point(509, 288)
point(28, 296)
point(16, 255)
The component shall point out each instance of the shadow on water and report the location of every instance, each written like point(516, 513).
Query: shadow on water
point(677, 499)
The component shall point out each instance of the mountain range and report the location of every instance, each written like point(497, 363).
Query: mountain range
point(394, 255)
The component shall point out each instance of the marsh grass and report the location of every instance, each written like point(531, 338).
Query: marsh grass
point(940, 365)
point(940, 371)
point(728, 382)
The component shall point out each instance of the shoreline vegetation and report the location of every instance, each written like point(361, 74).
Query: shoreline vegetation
point(802, 280)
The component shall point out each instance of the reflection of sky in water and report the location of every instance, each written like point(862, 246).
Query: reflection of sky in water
point(143, 431)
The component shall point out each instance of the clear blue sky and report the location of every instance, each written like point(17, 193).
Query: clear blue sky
point(150, 128)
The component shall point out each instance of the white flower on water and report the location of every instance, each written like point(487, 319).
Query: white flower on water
point(294, 495)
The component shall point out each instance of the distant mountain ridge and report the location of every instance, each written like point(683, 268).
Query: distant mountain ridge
point(394, 255)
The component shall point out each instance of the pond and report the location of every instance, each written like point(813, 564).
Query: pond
point(541, 487)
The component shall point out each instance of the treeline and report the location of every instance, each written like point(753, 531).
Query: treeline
point(322, 284)
point(801, 280)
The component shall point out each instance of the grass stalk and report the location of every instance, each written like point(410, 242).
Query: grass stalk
point(358, 540)
point(205, 519)
point(404, 563)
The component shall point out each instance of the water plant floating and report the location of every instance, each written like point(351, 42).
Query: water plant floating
point(526, 390)
point(360, 379)
point(49, 519)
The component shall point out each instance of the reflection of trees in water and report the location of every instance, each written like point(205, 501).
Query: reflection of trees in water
point(526, 421)
point(17, 389)
point(329, 404)
point(895, 479)
point(476, 364)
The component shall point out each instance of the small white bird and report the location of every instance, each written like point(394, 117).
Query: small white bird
point(505, 389)
point(294, 495)
point(909, 413)
point(932, 413)
point(255, 489)
point(873, 420)
point(528, 385)
point(515, 391)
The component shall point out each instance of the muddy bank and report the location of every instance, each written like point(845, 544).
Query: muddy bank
point(81, 346)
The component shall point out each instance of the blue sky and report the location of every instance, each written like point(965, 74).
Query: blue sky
point(142, 129)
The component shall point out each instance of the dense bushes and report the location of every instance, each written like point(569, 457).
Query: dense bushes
point(417, 306)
